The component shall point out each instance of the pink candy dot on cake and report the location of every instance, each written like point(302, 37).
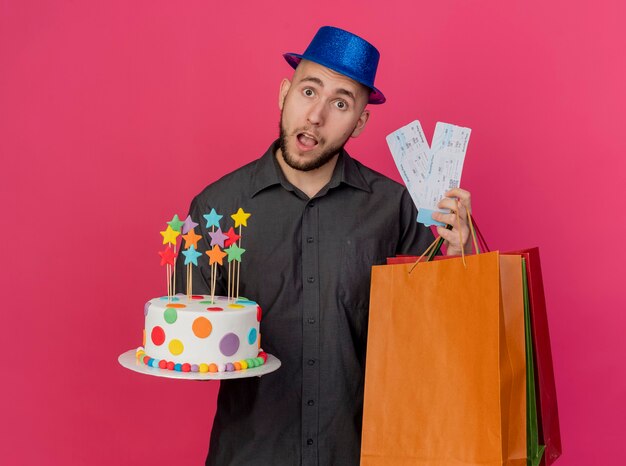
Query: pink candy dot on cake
point(214, 309)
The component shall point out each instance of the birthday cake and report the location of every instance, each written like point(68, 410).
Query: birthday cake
point(199, 334)
point(202, 333)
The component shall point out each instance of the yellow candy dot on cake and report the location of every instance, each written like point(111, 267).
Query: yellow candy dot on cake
point(244, 364)
point(212, 367)
point(203, 367)
point(176, 347)
point(236, 306)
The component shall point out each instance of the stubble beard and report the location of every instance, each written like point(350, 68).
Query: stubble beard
point(321, 160)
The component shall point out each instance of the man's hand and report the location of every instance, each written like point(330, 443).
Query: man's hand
point(457, 200)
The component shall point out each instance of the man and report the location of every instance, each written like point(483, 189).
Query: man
point(320, 220)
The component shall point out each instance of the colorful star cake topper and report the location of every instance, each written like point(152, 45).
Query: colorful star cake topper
point(217, 237)
point(169, 235)
point(232, 237)
point(234, 253)
point(240, 218)
point(175, 223)
point(191, 255)
point(212, 219)
point(189, 224)
point(167, 256)
point(216, 255)
point(219, 240)
point(191, 239)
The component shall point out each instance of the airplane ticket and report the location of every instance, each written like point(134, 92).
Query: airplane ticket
point(429, 171)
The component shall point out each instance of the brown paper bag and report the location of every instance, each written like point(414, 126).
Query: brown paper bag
point(445, 375)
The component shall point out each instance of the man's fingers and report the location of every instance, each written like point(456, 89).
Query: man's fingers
point(448, 219)
point(462, 195)
point(452, 237)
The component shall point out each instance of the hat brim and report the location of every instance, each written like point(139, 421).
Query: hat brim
point(376, 97)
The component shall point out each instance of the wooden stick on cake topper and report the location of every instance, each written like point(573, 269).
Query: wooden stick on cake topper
point(169, 237)
point(176, 224)
point(212, 221)
point(217, 239)
point(216, 256)
point(191, 241)
point(240, 218)
point(191, 257)
point(232, 239)
point(167, 259)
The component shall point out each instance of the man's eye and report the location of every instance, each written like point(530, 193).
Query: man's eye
point(308, 92)
point(341, 105)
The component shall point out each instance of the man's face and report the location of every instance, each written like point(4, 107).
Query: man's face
point(320, 110)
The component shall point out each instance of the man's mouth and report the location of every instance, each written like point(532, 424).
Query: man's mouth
point(307, 140)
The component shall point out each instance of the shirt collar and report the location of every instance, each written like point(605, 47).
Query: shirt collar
point(268, 173)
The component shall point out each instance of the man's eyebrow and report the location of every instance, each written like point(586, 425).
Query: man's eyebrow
point(320, 83)
point(346, 92)
point(317, 81)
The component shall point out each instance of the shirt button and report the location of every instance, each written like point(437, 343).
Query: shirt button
point(309, 239)
point(311, 321)
point(310, 362)
point(310, 279)
point(309, 441)
point(310, 402)
point(311, 204)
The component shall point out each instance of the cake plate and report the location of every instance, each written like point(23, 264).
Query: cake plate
point(129, 361)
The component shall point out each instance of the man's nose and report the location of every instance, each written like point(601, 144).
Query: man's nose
point(316, 113)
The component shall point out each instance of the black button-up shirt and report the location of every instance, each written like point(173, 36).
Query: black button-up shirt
point(307, 263)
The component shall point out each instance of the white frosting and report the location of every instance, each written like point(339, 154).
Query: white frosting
point(238, 320)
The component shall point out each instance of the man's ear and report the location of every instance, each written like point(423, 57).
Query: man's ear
point(360, 124)
point(285, 84)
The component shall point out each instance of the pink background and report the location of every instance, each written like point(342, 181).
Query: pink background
point(114, 114)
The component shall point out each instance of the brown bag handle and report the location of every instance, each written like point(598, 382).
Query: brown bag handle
point(436, 244)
